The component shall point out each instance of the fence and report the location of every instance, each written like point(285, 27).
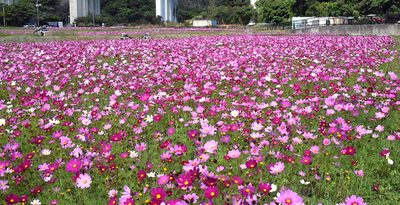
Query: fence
point(373, 29)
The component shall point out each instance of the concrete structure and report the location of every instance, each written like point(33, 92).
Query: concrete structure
point(371, 29)
point(205, 23)
point(81, 8)
point(167, 10)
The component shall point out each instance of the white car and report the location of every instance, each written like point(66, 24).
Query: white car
point(29, 26)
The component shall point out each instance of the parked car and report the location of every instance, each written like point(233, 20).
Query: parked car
point(398, 22)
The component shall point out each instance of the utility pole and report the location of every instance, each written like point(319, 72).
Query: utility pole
point(92, 7)
point(37, 12)
point(4, 15)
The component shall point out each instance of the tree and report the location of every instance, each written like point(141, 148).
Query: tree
point(21, 13)
point(129, 11)
point(276, 11)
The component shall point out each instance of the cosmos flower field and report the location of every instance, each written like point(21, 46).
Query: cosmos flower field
point(241, 119)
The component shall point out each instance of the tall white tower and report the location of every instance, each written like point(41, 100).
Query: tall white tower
point(81, 8)
point(253, 3)
point(167, 10)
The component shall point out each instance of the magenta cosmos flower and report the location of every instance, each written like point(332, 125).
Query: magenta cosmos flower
point(211, 192)
point(185, 180)
point(74, 165)
point(264, 188)
point(192, 134)
point(289, 197)
point(12, 199)
point(158, 193)
point(251, 164)
point(306, 160)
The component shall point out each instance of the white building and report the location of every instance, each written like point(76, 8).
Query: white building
point(9, 2)
point(205, 23)
point(304, 22)
point(81, 8)
point(167, 10)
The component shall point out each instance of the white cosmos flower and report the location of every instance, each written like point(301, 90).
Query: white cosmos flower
point(46, 152)
point(149, 118)
point(133, 154)
point(47, 179)
point(2, 122)
point(234, 113)
point(54, 121)
point(151, 174)
point(36, 202)
point(273, 188)
point(268, 77)
point(304, 182)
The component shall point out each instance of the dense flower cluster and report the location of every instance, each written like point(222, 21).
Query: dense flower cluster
point(245, 119)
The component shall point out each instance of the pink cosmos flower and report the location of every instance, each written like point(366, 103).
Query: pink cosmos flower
point(354, 200)
point(234, 154)
point(314, 149)
point(191, 197)
point(256, 126)
point(289, 197)
point(359, 173)
point(164, 179)
point(326, 142)
point(141, 147)
point(171, 131)
point(211, 146)
point(208, 129)
point(276, 168)
point(83, 181)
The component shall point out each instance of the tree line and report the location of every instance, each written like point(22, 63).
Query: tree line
point(133, 12)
